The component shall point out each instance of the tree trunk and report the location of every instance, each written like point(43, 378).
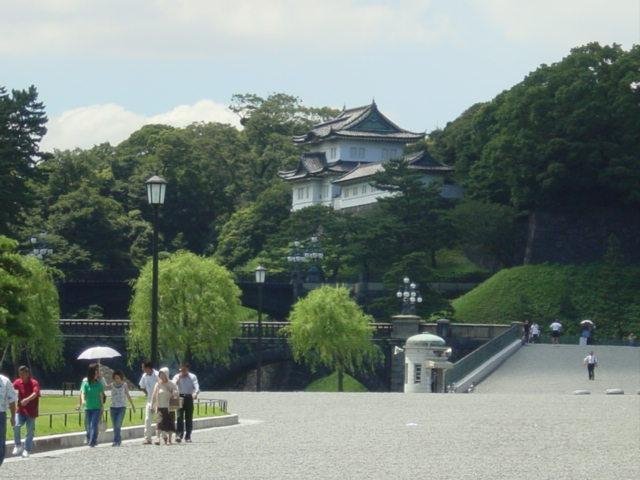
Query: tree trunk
point(433, 259)
point(340, 379)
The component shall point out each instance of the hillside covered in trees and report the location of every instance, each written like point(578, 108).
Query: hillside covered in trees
point(565, 138)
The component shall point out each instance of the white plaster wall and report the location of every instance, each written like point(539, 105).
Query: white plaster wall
point(349, 198)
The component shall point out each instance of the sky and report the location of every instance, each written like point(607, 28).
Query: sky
point(104, 68)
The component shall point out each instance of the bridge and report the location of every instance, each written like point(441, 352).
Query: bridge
point(284, 373)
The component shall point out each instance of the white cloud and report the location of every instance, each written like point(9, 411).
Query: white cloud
point(564, 23)
point(205, 28)
point(85, 127)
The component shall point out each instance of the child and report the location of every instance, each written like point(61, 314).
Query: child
point(119, 396)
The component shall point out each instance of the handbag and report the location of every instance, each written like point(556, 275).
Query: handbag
point(175, 403)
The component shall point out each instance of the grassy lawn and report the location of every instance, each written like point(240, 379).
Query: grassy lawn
point(59, 405)
point(330, 384)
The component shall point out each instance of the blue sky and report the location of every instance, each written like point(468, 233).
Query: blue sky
point(104, 68)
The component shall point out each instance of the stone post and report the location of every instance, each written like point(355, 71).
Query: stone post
point(404, 326)
point(443, 328)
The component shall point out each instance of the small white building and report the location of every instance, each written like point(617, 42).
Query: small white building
point(425, 360)
point(346, 151)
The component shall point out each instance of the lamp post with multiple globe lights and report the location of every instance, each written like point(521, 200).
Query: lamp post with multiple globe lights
point(409, 296)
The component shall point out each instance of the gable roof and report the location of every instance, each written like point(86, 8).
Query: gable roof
point(366, 122)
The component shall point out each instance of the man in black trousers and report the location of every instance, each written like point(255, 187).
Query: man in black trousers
point(188, 388)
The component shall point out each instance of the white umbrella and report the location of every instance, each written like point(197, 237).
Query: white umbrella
point(586, 322)
point(96, 353)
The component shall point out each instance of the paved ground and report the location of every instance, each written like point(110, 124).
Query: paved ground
point(502, 435)
point(559, 369)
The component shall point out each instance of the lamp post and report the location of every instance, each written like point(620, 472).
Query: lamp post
point(261, 274)
point(296, 257)
point(156, 187)
point(40, 246)
point(409, 296)
point(314, 254)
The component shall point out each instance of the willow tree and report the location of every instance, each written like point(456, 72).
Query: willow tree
point(327, 328)
point(29, 309)
point(198, 310)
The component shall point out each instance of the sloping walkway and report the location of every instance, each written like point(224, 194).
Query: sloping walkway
point(558, 369)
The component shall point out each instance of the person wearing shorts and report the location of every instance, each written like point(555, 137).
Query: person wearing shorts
point(556, 331)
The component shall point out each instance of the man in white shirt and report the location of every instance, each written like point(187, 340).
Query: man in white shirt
point(147, 384)
point(188, 388)
point(8, 399)
point(556, 330)
point(591, 361)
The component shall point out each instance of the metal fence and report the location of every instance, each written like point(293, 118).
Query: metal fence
point(203, 406)
point(467, 364)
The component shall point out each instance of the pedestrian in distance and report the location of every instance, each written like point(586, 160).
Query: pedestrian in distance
point(188, 388)
point(28, 390)
point(92, 393)
point(556, 331)
point(119, 396)
point(591, 361)
point(526, 332)
point(147, 384)
point(8, 399)
point(535, 332)
point(163, 393)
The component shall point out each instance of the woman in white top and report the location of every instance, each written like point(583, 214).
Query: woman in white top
point(119, 396)
point(163, 392)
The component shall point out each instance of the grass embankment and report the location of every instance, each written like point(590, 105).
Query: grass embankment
point(57, 404)
point(571, 293)
point(330, 384)
point(454, 266)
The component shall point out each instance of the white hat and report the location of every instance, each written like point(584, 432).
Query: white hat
point(165, 370)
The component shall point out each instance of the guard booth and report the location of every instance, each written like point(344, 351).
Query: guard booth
point(426, 357)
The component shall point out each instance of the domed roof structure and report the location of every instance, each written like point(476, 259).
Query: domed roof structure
point(425, 340)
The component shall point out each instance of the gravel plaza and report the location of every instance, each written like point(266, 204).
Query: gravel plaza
point(507, 429)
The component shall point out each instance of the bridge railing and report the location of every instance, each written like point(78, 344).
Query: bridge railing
point(467, 364)
point(273, 329)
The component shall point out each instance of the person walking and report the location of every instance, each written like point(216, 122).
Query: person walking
point(188, 388)
point(147, 384)
point(92, 394)
point(591, 361)
point(28, 390)
point(8, 400)
point(119, 396)
point(526, 332)
point(164, 391)
point(535, 332)
point(556, 331)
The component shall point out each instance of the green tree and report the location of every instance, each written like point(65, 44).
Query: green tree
point(327, 328)
point(198, 309)
point(486, 229)
point(22, 126)
point(418, 210)
point(565, 135)
point(29, 309)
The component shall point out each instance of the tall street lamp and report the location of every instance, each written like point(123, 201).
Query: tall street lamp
point(156, 187)
point(409, 296)
point(261, 274)
point(296, 257)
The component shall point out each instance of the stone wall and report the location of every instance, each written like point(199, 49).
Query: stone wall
point(575, 237)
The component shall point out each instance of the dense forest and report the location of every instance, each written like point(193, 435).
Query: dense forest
point(567, 135)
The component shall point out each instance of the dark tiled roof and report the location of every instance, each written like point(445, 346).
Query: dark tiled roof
point(314, 164)
point(422, 161)
point(365, 122)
